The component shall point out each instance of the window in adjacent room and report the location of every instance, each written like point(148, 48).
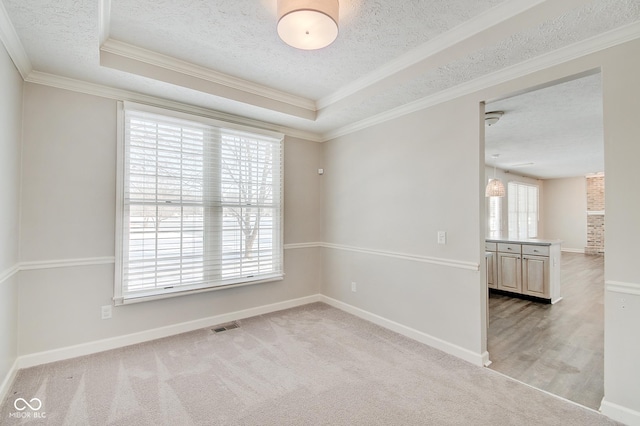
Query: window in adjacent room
point(523, 210)
point(199, 204)
point(495, 217)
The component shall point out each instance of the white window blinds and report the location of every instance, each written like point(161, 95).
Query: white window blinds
point(200, 206)
point(523, 210)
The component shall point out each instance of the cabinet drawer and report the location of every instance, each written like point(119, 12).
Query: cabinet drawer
point(535, 250)
point(490, 246)
point(509, 248)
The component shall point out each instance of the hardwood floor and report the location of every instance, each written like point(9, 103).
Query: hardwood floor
point(558, 348)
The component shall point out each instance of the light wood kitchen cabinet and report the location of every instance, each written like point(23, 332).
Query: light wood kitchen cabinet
point(491, 258)
point(535, 276)
point(528, 267)
point(509, 272)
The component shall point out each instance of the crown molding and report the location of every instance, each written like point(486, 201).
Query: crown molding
point(104, 20)
point(80, 86)
point(125, 50)
point(577, 50)
point(438, 44)
point(12, 43)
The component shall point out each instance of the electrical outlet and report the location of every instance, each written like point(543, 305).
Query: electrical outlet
point(442, 237)
point(353, 287)
point(106, 312)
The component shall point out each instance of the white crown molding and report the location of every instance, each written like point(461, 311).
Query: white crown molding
point(66, 263)
point(126, 95)
point(452, 263)
point(126, 50)
point(12, 43)
point(486, 20)
point(623, 288)
point(5, 275)
point(104, 20)
point(478, 359)
point(592, 45)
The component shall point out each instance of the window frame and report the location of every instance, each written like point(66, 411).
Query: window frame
point(119, 297)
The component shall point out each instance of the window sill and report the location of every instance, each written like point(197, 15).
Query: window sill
point(147, 298)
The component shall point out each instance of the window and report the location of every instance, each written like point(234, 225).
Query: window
point(495, 217)
point(199, 205)
point(523, 210)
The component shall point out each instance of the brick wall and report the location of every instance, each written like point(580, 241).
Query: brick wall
point(595, 222)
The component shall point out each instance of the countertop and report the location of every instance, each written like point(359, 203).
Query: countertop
point(533, 241)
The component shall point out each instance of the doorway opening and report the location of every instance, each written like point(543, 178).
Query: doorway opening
point(550, 139)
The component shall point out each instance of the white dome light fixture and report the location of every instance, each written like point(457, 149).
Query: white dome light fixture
point(491, 118)
point(308, 24)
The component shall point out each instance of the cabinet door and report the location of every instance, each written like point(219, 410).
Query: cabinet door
point(509, 272)
point(492, 281)
point(535, 276)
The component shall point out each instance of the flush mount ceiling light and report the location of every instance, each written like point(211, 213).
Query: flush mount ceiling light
point(491, 118)
point(495, 188)
point(308, 24)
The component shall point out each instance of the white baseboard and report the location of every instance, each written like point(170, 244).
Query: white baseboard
point(455, 350)
point(619, 413)
point(88, 348)
point(572, 250)
point(8, 380)
point(485, 359)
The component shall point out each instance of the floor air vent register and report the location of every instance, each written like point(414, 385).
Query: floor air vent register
point(224, 327)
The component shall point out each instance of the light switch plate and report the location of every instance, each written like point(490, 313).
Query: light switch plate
point(442, 237)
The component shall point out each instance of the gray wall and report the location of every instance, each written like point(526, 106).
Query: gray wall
point(391, 187)
point(68, 213)
point(565, 212)
point(387, 191)
point(621, 92)
point(10, 135)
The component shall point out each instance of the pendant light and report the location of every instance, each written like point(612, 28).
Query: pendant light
point(495, 188)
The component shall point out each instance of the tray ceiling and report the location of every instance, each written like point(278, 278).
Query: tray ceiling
point(226, 56)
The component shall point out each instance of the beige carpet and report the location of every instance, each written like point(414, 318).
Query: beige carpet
point(313, 365)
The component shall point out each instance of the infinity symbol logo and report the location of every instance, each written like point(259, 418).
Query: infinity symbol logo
point(24, 404)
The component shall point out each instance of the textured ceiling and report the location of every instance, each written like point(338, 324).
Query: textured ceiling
point(388, 55)
point(558, 129)
point(238, 37)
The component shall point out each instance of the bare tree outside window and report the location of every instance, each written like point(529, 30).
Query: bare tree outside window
point(247, 188)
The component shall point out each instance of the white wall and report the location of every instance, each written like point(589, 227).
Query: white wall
point(621, 93)
point(10, 134)
point(68, 213)
point(391, 187)
point(565, 212)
